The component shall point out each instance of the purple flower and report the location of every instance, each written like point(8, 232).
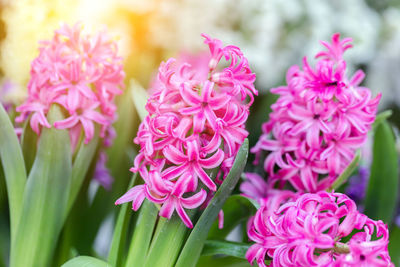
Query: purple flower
point(101, 173)
point(358, 184)
point(6, 88)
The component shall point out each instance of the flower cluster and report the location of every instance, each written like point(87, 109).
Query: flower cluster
point(318, 122)
point(296, 229)
point(80, 72)
point(196, 123)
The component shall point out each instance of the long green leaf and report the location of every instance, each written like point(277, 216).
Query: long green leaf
point(211, 261)
point(14, 168)
point(142, 234)
point(45, 198)
point(383, 183)
point(347, 172)
point(215, 247)
point(236, 209)
point(120, 232)
point(85, 261)
point(194, 244)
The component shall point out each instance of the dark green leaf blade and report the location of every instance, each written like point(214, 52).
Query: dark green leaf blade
point(81, 165)
point(382, 188)
point(29, 145)
point(208, 261)
point(195, 242)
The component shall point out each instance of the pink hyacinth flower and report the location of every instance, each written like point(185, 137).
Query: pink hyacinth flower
point(80, 72)
point(293, 229)
point(318, 122)
point(196, 124)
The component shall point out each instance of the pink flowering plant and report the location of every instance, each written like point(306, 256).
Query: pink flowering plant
point(294, 229)
point(72, 197)
point(67, 118)
point(196, 123)
point(316, 126)
point(318, 122)
point(82, 74)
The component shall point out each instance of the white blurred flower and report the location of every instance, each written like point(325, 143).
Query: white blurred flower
point(384, 71)
point(274, 34)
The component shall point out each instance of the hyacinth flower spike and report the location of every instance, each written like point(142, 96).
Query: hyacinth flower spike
point(71, 93)
point(294, 229)
point(188, 142)
point(319, 121)
point(195, 124)
point(83, 74)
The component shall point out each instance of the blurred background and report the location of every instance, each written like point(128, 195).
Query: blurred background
point(273, 34)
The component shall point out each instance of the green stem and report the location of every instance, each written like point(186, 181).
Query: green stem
point(120, 232)
point(347, 172)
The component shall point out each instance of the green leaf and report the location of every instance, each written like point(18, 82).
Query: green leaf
point(45, 198)
point(142, 234)
point(194, 244)
point(85, 261)
point(139, 98)
point(4, 238)
point(236, 209)
point(382, 188)
point(13, 166)
point(167, 242)
point(208, 261)
point(381, 117)
point(118, 163)
point(120, 232)
point(215, 247)
point(347, 172)
point(29, 145)
point(81, 165)
point(394, 245)
point(118, 160)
